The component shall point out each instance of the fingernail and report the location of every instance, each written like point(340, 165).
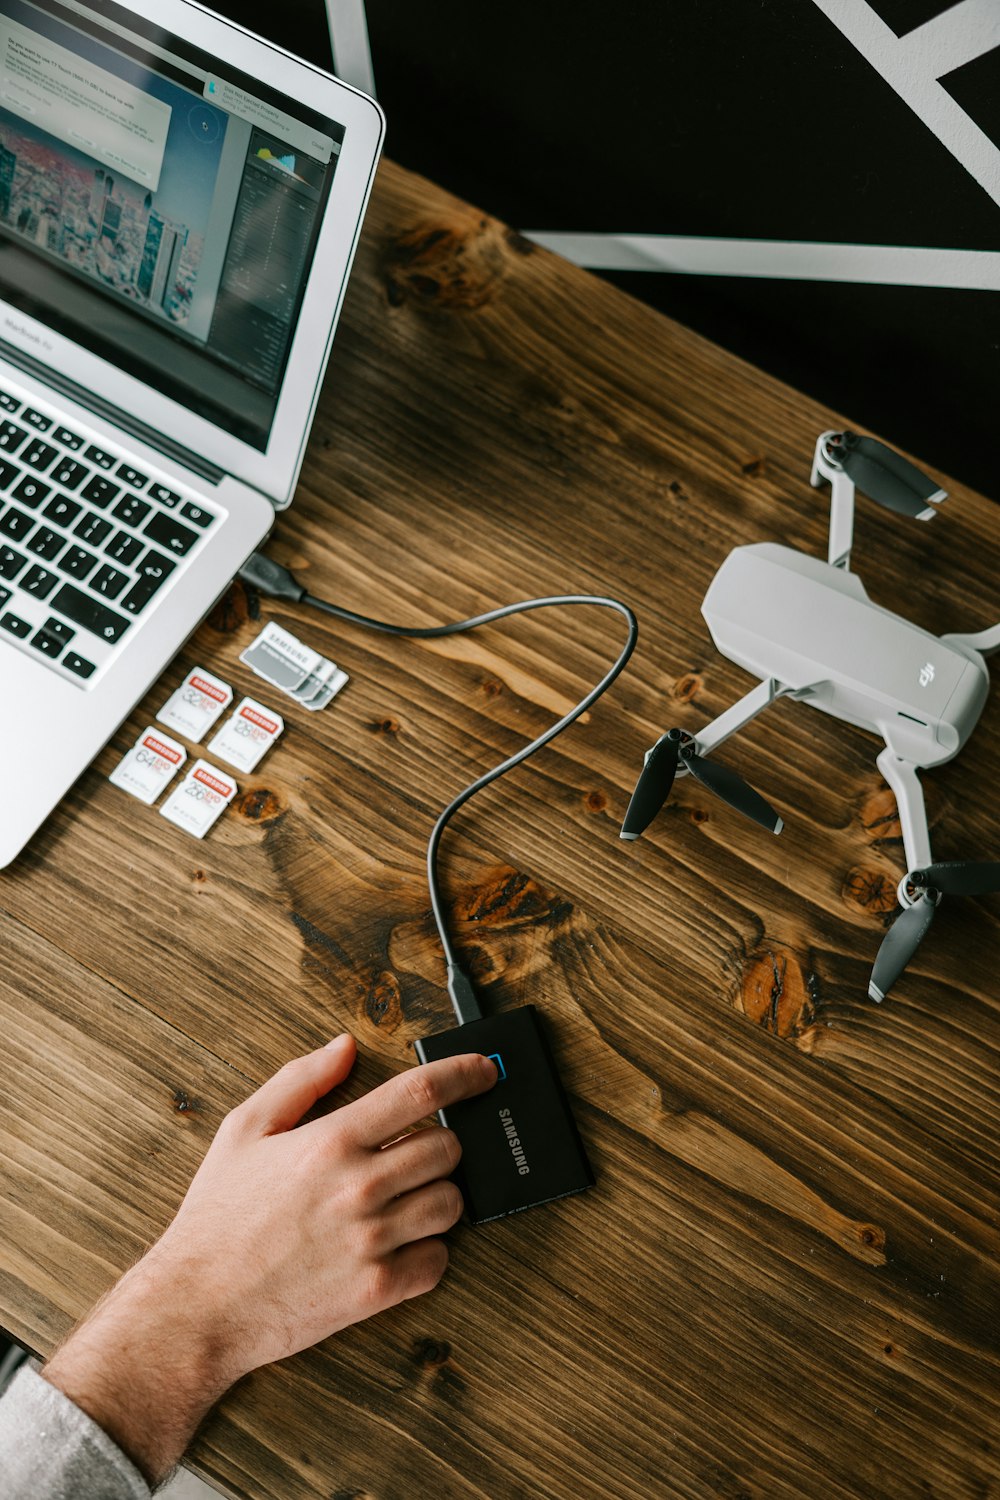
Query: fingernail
point(489, 1066)
point(337, 1040)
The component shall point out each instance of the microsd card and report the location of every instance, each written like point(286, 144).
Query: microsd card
point(152, 761)
point(197, 703)
point(247, 736)
point(200, 798)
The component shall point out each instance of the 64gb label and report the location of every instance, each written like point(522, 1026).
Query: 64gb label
point(152, 761)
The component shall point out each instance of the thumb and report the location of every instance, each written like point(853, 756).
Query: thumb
point(280, 1103)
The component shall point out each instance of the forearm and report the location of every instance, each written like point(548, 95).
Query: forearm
point(145, 1365)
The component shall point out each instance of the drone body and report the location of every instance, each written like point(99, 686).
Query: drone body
point(812, 629)
point(809, 631)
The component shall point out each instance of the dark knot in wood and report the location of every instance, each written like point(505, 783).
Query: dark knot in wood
point(238, 604)
point(383, 1002)
point(456, 266)
point(184, 1104)
point(595, 802)
point(754, 467)
point(777, 992)
point(258, 804)
point(687, 688)
point(431, 1351)
point(508, 895)
point(869, 891)
point(388, 725)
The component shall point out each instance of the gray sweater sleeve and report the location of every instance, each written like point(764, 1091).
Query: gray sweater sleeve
point(51, 1450)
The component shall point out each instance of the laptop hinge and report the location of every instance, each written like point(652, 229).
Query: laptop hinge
point(149, 435)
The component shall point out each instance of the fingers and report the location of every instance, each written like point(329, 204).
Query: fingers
point(280, 1103)
point(411, 1096)
point(407, 1272)
point(427, 1211)
point(418, 1159)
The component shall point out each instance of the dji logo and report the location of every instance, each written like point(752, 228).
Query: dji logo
point(926, 675)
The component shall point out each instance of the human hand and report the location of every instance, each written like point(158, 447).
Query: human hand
point(288, 1233)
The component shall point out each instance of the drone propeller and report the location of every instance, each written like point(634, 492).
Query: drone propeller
point(957, 877)
point(657, 777)
point(884, 476)
point(899, 945)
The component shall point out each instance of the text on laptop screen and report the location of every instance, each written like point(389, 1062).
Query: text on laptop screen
point(155, 206)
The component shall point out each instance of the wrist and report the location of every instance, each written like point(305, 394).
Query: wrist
point(145, 1365)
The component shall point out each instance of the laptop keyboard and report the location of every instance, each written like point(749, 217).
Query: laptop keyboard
point(87, 540)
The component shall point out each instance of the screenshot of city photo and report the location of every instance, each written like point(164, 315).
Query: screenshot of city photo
point(97, 169)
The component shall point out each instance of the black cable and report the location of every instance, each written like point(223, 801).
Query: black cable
point(271, 578)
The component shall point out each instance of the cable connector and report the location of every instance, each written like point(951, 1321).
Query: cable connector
point(270, 578)
point(463, 997)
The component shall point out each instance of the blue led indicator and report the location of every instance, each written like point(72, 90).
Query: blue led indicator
point(496, 1058)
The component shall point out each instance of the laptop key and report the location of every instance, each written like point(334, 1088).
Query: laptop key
point(59, 630)
point(153, 571)
point(99, 491)
point(69, 473)
point(93, 528)
point(4, 596)
point(8, 472)
point(15, 625)
point(38, 581)
point(30, 491)
point(36, 419)
point(98, 456)
point(109, 581)
point(78, 562)
point(164, 496)
point(11, 562)
point(62, 510)
point(197, 514)
point(11, 436)
point(78, 664)
point(48, 645)
point(46, 543)
point(89, 613)
point(15, 523)
point(168, 532)
point(131, 510)
point(38, 454)
point(68, 439)
point(123, 548)
point(52, 637)
point(9, 403)
point(132, 476)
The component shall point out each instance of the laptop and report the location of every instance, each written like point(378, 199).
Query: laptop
point(180, 203)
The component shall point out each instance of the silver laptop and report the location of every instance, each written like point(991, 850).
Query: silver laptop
point(180, 204)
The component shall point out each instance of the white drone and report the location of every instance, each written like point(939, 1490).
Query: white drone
point(809, 630)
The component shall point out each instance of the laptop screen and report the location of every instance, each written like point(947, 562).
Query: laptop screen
point(156, 206)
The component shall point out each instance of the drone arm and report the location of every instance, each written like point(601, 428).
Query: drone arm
point(985, 641)
point(902, 778)
point(739, 715)
point(841, 503)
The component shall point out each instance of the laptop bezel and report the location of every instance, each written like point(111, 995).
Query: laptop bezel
point(273, 471)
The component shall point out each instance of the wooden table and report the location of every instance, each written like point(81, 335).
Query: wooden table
point(785, 1282)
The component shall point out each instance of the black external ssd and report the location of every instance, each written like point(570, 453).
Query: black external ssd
point(520, 1145)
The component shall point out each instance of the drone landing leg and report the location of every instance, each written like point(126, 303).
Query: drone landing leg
point(841, 503)
point(741, 713)
point(902, 778)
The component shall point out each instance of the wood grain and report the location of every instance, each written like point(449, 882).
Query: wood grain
point(785, 1282)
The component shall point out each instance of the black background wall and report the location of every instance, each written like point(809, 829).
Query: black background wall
point(716, 118)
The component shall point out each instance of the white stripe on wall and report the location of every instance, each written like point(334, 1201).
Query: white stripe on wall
point(913, 64)
point(352, 53)
point(795, 260)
